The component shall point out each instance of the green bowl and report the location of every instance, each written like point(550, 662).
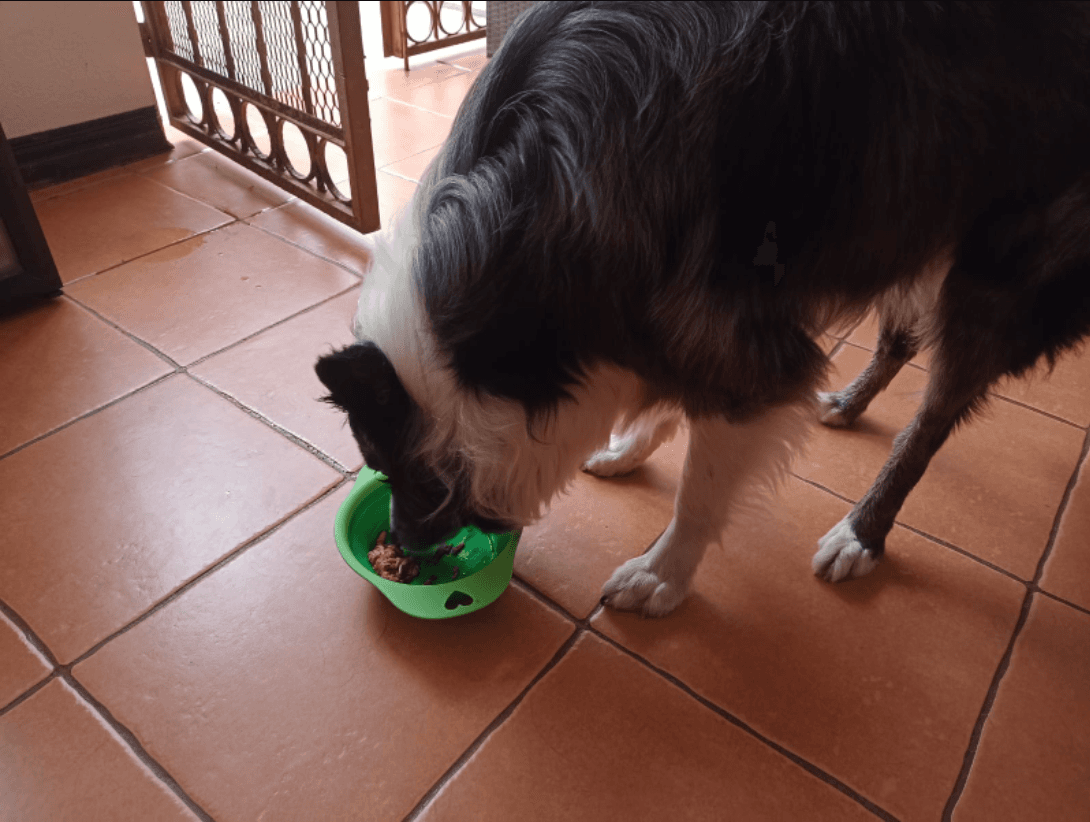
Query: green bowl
point(484, 566)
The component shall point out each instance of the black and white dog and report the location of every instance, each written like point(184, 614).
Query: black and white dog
point(650, 212)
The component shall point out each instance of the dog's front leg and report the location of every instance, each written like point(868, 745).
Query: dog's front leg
point(724, 463)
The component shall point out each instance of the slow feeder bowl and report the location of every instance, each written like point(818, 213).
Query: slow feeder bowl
point(484, 566)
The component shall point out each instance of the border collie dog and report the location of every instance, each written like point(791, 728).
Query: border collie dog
point(648, 213)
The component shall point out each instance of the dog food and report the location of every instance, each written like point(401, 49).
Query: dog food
point(390, 562)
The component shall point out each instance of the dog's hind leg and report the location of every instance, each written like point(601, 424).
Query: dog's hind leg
point(903, 317)
point(854, 545)
point(1018, 292)
point(896, 346)
point(724, 463)
point(629, 447)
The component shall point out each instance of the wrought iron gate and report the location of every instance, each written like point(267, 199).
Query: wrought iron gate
point(417, 26)
point(279, 87)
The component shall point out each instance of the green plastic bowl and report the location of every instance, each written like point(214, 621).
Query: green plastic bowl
point(484, 566)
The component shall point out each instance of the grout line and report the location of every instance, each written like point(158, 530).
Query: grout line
point(991, 395)
point(586, 626)
point(1005, 661)
point(138, 750)
point(420, 108)
point(271, 326)
point(556, 607)
point(810, 768)
point(28, 693)
point(180, 369)
point(142, 343)
point(88, 414)
point(232, 221)
point(30, 634)
point(924, 534)
point(386, 170)
point(358, 275)
point(581, 627)
point(314, 451)
point(493, 726)
point(1063, 601)
point(994, 396)
point(228, 558)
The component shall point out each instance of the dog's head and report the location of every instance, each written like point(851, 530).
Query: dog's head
point(389, 428)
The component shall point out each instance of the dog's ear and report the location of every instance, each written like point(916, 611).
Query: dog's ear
point(362, 381)
point(361, 373)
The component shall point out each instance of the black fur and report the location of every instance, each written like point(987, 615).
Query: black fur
point(607, 185)
point(614, 180)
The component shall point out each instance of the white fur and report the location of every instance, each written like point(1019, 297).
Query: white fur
point(829, 412)
point(841, 555)
point(632, 444)
point(724, 466)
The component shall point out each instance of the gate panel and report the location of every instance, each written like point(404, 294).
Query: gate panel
point(279, 87)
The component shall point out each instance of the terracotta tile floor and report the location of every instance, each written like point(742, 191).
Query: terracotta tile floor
point(179, 638)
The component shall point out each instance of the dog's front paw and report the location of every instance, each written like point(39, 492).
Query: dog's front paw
point(841, 555)
point(623, 456)
point(832, 410)
point(637, 586)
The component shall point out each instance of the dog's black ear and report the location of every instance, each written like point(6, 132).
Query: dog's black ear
point(362, 382)
point(360, 375)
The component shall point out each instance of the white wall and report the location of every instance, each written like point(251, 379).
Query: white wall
point(64, 62)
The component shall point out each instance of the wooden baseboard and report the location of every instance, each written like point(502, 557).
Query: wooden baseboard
point(67, 153)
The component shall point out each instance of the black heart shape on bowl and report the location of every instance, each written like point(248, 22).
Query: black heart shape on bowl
point(456, 599)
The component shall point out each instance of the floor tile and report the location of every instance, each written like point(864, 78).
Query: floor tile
point(597, 525)
point(61, 362)
point(1033, 761)
point(273, 373)
point(320, 234)
point(21, 664)
point(993, 489)
point(286, 687)
point(1065, 392)
point(1067, 571)
point(222, 183)
point(383, 81)
point(197, 297)
point(59, 760)
point(474, 59)
point(415, 166)
point(117, 220)
point(399, 130)
point(878, 681)
point(106, 517)
point(394, 196)
point(443, 97)
point(601, 737)
point(40, 195)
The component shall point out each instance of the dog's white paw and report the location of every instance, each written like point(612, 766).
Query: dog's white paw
point(830, 411)
point(624, 455)
point(841, 555)
point(636, 586)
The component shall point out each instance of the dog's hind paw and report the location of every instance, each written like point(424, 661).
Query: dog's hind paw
point(841, 555)
point(635, 586)
point(831, 410)
point(623, 455)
